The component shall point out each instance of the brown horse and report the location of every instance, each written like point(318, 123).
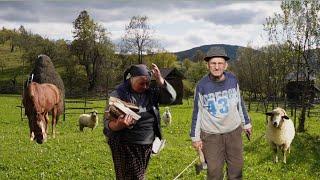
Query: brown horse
point(39, 100)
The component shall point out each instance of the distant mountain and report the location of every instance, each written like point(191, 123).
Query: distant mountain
point(230, 49)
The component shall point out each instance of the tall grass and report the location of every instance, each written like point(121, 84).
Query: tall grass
point(76, 155)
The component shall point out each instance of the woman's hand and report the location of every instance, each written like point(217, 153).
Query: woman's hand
point(157, 75)
point(121, 123)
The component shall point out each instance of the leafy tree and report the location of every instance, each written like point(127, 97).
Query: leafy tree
point(188, 88)
point(10, 36)
point(199, 56)
point(298, 25)
point(24, 37)
point(91, 46)
point(162, 59)
point(196, 71)
point(2, 63)
point(249, 71)
point(262, 73)
point(186, 64)
point(138, 37)
point(36, 46)
point(2, 36)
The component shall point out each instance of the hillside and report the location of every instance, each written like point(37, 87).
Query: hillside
point(12, 72)
point(230, 49)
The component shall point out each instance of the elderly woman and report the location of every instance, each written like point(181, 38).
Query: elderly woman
point(130, 141)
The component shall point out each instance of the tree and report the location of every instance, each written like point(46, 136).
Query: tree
point(199, 56)
point(24, 36)
point(262, 73)
point(91, 46)
point(2, 63)
point(249, 72)
point(162, 59)
point(298, 25)
point(3, 36)
point(12, 36)
point(138, 37)
point(197, 71)
point(36, 46)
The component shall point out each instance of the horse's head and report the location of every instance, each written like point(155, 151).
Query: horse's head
point(39, 127)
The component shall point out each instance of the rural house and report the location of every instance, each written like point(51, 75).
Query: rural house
point(294, 89)
point(174, 77)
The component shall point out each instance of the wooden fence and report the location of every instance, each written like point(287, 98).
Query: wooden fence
point(83, 107)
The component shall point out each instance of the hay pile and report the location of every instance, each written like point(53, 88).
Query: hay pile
point(44, 72)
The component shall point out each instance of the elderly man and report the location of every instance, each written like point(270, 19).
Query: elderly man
point(219, 116)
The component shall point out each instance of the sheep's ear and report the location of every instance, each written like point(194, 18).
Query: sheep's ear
point(285, 117)
point(269, 113)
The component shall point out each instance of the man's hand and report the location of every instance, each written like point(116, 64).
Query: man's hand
point(157, 74)
point(197, 145)
point(248, 133)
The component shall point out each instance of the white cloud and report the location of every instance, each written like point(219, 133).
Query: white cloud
point(179, 25)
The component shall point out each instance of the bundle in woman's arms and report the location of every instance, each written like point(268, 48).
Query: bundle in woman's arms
point(118, 107)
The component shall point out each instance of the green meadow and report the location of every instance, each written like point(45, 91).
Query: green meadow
point(85, 155)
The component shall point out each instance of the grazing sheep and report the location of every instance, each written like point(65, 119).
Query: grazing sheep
point(166, 117)
point(280, 132)
point(88, 120)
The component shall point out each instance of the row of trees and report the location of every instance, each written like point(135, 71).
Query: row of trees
point(295, 35)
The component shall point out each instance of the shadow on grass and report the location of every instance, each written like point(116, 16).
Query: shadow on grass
point(304, 155)
point(307, 151)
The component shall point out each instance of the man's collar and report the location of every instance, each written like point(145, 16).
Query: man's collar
point(212, 78)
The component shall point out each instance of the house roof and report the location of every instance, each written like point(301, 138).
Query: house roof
point(166, 72)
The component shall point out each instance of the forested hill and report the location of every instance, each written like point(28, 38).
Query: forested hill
point(230, 49)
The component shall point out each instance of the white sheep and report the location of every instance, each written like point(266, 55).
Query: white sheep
point(280, 132)
point(166, 117)
point(88, 120)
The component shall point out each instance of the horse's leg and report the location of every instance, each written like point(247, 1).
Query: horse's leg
point(30, 127)
point(46, 117)
point(54, 121)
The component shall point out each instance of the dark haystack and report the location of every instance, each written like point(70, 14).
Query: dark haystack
point(44, 72)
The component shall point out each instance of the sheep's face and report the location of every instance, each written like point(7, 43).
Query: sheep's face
point(94, 114)
point(277, 116)
point(167, 112)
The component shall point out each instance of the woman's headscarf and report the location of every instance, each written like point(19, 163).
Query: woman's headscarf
point(137, 70)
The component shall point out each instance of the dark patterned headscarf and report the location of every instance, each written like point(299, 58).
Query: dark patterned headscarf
point(137, 70)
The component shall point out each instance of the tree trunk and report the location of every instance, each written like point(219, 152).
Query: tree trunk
point(140, 57)
point(12, 48)
point(90, 78)
point(302, 119)
point(249, 104)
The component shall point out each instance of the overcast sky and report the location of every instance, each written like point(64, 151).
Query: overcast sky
point(178, 25)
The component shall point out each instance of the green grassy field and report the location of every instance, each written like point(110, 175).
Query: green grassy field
point(76, 155)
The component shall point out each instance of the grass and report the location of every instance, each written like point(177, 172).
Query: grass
point(76, 155)
point(12, 66)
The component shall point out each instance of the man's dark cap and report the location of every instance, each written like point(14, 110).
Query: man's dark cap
point(216, 51)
